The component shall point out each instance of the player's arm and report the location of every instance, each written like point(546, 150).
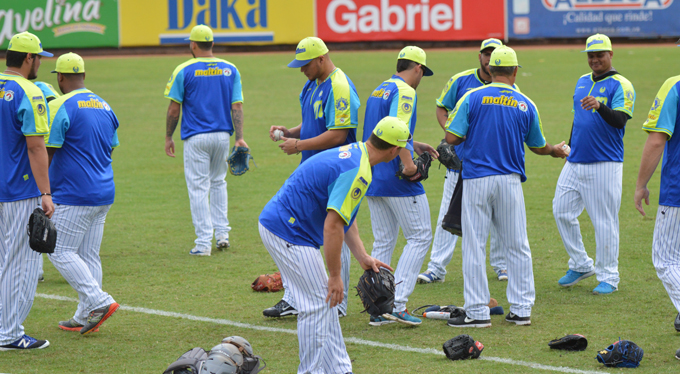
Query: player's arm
point(356, 246)
point(37, 157)
point(442, 117)
point(446, 100)
point(326, 140)
point(237, 120)
point(651, 155)
point(536, 141)
point(287, 133)
point(333, 237)
point(457, 122)
point(171, 120)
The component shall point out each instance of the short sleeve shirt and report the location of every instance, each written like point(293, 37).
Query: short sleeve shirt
point(335, 179)
point(206, 88)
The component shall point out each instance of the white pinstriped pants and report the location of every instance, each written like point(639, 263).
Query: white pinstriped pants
point(666, 251)
point(80, 231)
point(597, 188)
point(205, 168)
point(444, 242)
point(496, 200)
point(322, 348)
point(412, 214)
point(18, 268)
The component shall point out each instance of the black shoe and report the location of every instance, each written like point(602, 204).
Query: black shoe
point(460, 319)
point(677, 354)
point(520, 321)
point(677, 323)
point(281, 309)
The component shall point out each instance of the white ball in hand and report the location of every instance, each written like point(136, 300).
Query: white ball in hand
point(566, 148)
point(277, 135)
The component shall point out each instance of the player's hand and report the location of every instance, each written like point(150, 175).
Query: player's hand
point(47, 205)
point(169, 147)
point(240, 143)
point(589, 103)
point(369, 262)
point(559, 150)
point(336, 291)
point(410, 170)
point(286, 133)
point(640, 194)
point(288, 145)
point(421, 148)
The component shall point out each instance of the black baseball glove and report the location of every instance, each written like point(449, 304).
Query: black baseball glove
point(42, 234)
point(423, 163)
point(462, 347)
point(448, 156)
point(621, 354)
point(376, 291)
point(238, 160)
point(573, 342)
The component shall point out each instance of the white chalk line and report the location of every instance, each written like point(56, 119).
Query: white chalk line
point(395, 347)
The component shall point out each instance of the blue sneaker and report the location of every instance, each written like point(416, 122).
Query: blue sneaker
point(574, 277)
point(196, 252)
point(403, 317)
point(502, 275)
point(25, 342)
point(604, 288)
point(430, 277)
point(379, 321)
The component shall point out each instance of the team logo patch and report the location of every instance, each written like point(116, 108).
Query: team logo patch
point(386, 95)
point(341, 104)
point(603, 89)
point(37, 98)
point(356, 193)
point(630, 96)
point(362, 180)
point(497, 61)
point(41, 109)
point(227, 72)
point(402, 54)
point(656, 104)
point(406, 97)
point(76, 69)
point(345, 154)
point(9, 95)
point(522, 106)
point(379, 132)
point(107, 107)
point(406, 107)
point(320, 93)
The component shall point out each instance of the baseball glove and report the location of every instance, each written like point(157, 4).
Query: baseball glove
point(423, 163)
point(575, 342)
point(268, 283)
point(376, 291)
point(448, 156)
point(238, 160)
point(621, 354)
point(462, 347)
point(42, 234)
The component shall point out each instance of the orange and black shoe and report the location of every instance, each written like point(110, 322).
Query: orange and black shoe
point(71, 325)
point(97, 317)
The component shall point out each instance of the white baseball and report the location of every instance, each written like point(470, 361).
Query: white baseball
point(566, 148)
point(278, 134)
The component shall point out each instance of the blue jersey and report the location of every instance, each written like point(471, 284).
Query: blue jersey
point(85, 129)
point(206, 87)
point(455, 88)
point(22, 113)
point(48, 91)
point(665, 117)
point(331, 105)
point(592, 139)
point(497, 120)
point(335, 179)
point(393, 98)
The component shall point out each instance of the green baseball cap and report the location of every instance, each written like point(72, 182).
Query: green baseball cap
point(504, 56)
point(394, 131)
point(416, 55)
point(308, 49)
point(490, 43)
point(598, 43)
point(69, 63)
point(26, 42)
point(200, 33)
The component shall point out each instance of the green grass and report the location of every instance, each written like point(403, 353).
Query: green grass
point(149, 232)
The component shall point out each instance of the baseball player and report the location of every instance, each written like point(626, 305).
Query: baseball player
point(395, 202)
point(591, 177)
point(496, 116)
point(24, 186)
point(317, 206)
point(661, 124)
point(444, 242)
point(207, 91)
point(82, 138)
point(330, 104)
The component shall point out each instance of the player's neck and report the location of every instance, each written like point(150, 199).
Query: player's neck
point(483, 75)
point(20, 72)
point(328, 68)
point(199, 53)
point(510, 81)
point(408, 77)
point(70, 87)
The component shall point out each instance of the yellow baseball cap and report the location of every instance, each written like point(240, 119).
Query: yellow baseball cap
point(598, 43)
point(308, 49)
point(200, 33)
point(69, 63)
point(504, 56)
point(490, 43)
point(416, 55)
point(27, 43)
point(394, 131)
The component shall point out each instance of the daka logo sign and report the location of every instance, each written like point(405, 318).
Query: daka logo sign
point(572, 5)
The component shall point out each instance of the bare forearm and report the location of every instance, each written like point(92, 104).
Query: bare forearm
point(651, 155)
point(295, 131)
point(37, 157)
point(333, 236)
point(442, 117)
point(237, 120)
point(171, 124)
point(328, 139)
point(549, 149)
point(453, 139)
point(405, 157)
point(353, 240)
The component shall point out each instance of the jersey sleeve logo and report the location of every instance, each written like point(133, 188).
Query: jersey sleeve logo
point(386, 95)
point(106, 106)
point(522, 106)
point(406, 107)
point(41, 109)
point(341, 104)
point(227, 72)
point(656, 103)
point(9, 95)
point(629, 95)
point(356, 193)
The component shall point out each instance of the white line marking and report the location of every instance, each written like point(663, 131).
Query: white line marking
point(395, 347)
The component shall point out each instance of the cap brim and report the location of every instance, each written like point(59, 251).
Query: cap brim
point(427, 71)
point(299, 63)
point(597, 50)
point(54, 71)
point(409, 147)
point(45, 54)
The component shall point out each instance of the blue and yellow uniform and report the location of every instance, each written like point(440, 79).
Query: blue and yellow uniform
point(84, 128)
point(335, 179)
point(22, 113)
point(393, 98)
point(48, 91)
point(331, 105)
point(206, 104)
point(509, 120)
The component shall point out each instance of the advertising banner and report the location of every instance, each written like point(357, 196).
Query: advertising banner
point(580, 18)
point(168, 22)
point(426, 20)
point(61, 23)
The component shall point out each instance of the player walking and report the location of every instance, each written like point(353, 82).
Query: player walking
point(317, 206)
point(82, 138)
point(330, 105)
point(444, 242)
point(395, 202)
point(208, 91)
point(24, 186)
point(499, 117)
point(591, 177)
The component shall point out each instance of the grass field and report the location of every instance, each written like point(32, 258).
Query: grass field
point(149, 233)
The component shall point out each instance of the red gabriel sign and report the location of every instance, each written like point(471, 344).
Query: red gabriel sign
point(369, 20)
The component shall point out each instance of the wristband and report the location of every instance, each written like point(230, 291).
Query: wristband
point(45, 194)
